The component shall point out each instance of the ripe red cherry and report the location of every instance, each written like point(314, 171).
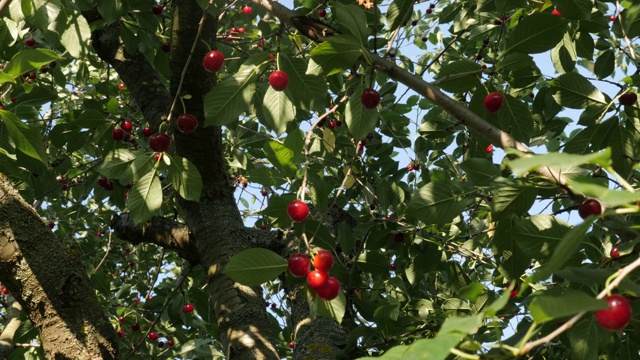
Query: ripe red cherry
point(187, 309)
point(161, 344)
point(127, 126)
point(370, 98)
point(159, 142)
point(618, 314)
point(292, 345)
point(117, 134)
point(153, 336)
point(120, 333)
point(5, 291)
point(30, 42)
point(323, 261)
point(298, 265)
point(278, 80)
point(187, 123)
point(322, 13)
point(555, 12)
point(614, 252)
point(489, 149)
point(612, 18)
point(121, 319)
point(247, 10)
point(166, 47)
point(120, 86)
point(157, 9)
point(589, 207)
point(628, 99)
point(493, 102)
point(317, 279)
point(393, 267)
point(297, 210)
point(330, 290)
point(147, 131)
point(170, 342)
point(213, 61)
point(135, 327)
point(51, 225)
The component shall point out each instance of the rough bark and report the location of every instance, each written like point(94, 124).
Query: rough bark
point(12, 324)
point(50, 284)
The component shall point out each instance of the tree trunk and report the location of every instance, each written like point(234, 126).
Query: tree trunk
point(50, 284)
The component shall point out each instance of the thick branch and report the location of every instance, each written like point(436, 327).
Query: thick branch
point(50, 284)
point(161, 231)
point(13, 323)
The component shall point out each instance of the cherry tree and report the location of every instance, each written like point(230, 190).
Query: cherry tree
point(339, 179)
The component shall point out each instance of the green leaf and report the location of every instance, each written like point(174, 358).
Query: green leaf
point(437, 348)
point(185, 178)
point(145, 198)
point(281, 157)
point(232, 96)
point(278, 110)
point(537, 33)
point(352, 19)
point(583, 337)
point(605, 63)
point(610, 197)
point(471, 292)
point(306, 90)
point(28, 60)
point(253, 267)
point(461, 325)
point(554, 305)
point(569, 245)
point(76, 34)
point(575, 9)
point(386, 317)
point(512, 200)
point(117, 163)
point(459, 76)
point(28, 140)
point(360, 121)
point(334, 309)
point(480, 171)
point(515, 118)
point(564, 55)
point(336, 54)
point(558, 160)
point(440, 202)
point(574, 91)
point(397, 12)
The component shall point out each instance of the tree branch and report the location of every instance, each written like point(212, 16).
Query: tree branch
point(13, 322)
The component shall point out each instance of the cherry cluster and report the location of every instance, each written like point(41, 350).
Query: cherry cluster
point(327, 287)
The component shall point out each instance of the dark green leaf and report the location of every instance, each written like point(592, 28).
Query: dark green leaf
point(27, 139)
point(537, 33)
point(440, 202)
point(554, 305)
point(253, 267)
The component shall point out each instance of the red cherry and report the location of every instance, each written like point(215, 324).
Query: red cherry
point(159, 142)
point(117, 134)
point(120, 86)
point(170, 343)
point(515, 290)
point(292, 345)
point(127, 126)
point(213, 61)
point(317, 279)
point(332, 124)
point(489, 149)
point(263, 227)
point(493, 102)
point(618, 314)
point(279, 80)
point(187, 123)
point(234, 30)
point(166, 47)
point(30, 42)
point(242, 30)
point(323, 261)
point(135, 327)
point(555, 12)
point(161, 344)
point(298, 265)
point(429, 11)
point(614, 252)
point(370, 98)
point(247, 10)
point(322, 13)
point(264, 193)
point(120, 333)
point(121, 319)
point(589, 207)
point(628, 99)
point(612, 18)
point(330, 290)
point(187, 308)
point(5, 291)
point(393, 267)
point(153, 336)
point(298, 210)
point(416, 166)
point(137, 299)
point(51, 225)
point(147, 131)
point(398, 237)
point(157, 9)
